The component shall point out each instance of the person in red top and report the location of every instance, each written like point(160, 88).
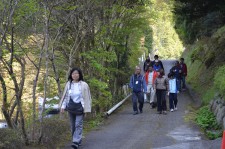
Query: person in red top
point(150, 77)
point(183, 67)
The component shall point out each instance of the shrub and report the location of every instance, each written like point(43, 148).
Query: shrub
point(10, 139)
point(206, 119)
point(55, 131)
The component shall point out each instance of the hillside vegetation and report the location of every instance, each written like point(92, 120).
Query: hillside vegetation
point(201, 26)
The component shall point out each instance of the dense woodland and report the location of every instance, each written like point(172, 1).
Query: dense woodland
point(41, 40)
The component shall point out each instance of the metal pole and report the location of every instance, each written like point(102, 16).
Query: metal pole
point(117, 105)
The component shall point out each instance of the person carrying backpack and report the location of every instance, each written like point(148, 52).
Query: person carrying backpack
point(138, 86)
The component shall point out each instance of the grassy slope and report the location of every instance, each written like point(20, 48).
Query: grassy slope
point(203, 59)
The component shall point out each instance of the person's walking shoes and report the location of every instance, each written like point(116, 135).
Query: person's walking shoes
point(135, 112)
point(74, 145)
point(164, 112)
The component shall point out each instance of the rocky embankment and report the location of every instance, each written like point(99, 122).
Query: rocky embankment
point(217, 106)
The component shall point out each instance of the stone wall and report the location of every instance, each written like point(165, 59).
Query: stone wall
point(217, 106)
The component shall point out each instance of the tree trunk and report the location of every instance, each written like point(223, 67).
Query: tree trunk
point(4, 105)
point(46, 42)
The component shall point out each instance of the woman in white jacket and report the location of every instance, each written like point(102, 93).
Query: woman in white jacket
point(78, 91)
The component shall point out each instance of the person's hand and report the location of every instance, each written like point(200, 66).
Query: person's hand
point(168, 93)
point(62, 110)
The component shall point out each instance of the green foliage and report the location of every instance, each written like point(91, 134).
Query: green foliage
point(25, 9)
point(219, 80)
point(196, 53)
point(103, 97)
point(165, 39)
point(210, 58)
point(219, 35)
point(10, 139)
point(208, 96)
point(206, 119)
point(92, 122)
point(148, 39)
point(214, 134)
point(54, 129)
point(195, 19)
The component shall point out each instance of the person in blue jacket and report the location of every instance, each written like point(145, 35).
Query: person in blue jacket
point(157, 66)
point(138, 86)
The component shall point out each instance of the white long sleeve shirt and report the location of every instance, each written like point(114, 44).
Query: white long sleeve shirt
point(75, 93)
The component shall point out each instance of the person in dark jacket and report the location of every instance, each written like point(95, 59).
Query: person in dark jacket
point(183, 67)
point(147, 63)
point(156, 57)
point(138, 86)
point(177, 72)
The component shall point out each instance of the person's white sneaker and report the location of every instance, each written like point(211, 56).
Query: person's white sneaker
point(171, 110)
point(175, 108)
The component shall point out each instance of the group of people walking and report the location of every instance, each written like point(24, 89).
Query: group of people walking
point(76, 98)
point(154, 82)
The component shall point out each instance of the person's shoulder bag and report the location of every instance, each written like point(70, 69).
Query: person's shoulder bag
point(74, 108)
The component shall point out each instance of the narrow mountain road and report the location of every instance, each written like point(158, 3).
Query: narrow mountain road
point(149, 130)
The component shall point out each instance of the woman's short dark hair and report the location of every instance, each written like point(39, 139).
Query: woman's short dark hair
point(80, 74)
point(156, 56)
point(161, 72)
